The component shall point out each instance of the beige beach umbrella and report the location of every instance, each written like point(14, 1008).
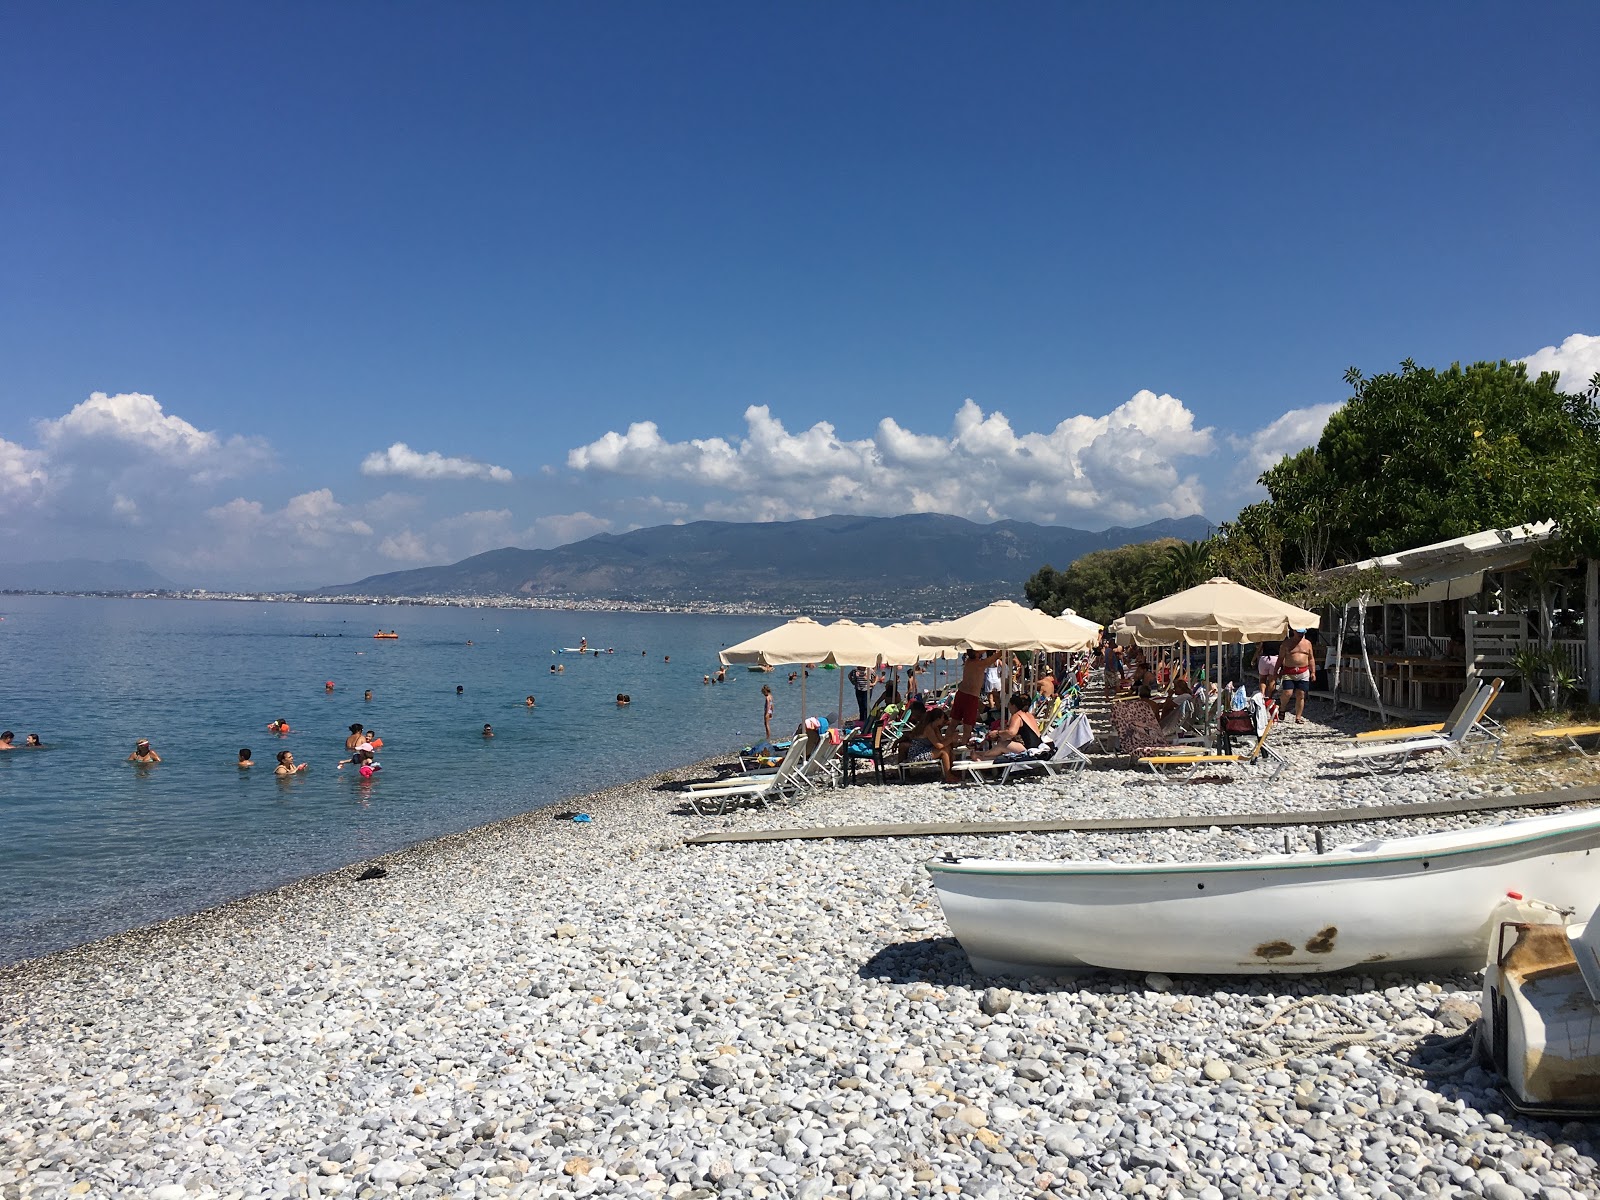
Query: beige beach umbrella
point(1088, 630)
point(1003, 625)
point(853, 644)
point(800, 640)
point(1219, 610)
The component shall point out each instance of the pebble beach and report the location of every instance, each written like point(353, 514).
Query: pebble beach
point(543, 1007)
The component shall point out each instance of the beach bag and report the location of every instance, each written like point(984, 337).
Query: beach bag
point(1238, 722)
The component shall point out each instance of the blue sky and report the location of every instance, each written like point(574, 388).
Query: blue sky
point(599, 266)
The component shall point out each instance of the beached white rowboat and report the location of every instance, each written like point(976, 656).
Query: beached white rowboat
point(1420, 901)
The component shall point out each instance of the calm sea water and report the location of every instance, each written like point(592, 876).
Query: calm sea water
point(91, 844)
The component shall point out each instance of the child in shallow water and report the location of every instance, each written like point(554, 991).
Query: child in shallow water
point(245, 761)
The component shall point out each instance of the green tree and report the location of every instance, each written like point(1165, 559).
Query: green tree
point(1420, 456)
point(1103, 584)
point(1183, 565)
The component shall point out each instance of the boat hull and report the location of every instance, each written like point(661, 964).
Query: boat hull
point(1413, 902)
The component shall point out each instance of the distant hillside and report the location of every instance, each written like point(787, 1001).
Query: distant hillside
point(785, 562)
point(83, 575)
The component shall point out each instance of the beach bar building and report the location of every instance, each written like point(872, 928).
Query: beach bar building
point(1473, 604)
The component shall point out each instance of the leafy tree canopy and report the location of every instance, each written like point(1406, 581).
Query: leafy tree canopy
point(1420, 456)
point(1104, 584)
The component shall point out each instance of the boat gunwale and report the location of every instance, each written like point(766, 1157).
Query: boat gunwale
point(1026, 868)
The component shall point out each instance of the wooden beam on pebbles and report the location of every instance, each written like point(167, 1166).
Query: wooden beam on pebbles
point(1314, 816)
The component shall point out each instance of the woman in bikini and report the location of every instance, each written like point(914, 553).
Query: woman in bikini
point(1020, 734)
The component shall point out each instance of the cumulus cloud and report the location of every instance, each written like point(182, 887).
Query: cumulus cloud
point(1289, 434)
point(134, 421)
point(313, 520)
point(400, 459)
point(1576, 360)
point(23, 477)
point(1122, 466)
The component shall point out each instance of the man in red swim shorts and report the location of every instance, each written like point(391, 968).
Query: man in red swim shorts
point(964, 708)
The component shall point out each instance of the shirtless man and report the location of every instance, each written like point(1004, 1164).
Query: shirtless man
point(1297, 668)
point(974, 665)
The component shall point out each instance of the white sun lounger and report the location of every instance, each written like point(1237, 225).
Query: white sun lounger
point(1064, 756)
point(1452, 743)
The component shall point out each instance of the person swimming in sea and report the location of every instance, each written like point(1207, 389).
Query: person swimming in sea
point(355, 739)
point(6, 740)
point(488, 730)
point(368, 696)
point(528, 703)
point(623, 699)
point(363, 761)
point(287, 765)
point(143, 754)
point(245, 761)
point(460, 690)
point(279, 727)
point(33, 743)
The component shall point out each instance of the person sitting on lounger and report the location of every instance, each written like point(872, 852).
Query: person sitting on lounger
point(931, 737)
point(1018, 735)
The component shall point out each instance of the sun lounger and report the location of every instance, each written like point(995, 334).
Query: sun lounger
point(1468, 695)
point(792, 758)
point(756, 791)
point(1059, 755)
point(1169, 766)
point(1451, 743)
point(1571, 735)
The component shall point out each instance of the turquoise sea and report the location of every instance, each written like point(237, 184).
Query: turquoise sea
point(91, 844)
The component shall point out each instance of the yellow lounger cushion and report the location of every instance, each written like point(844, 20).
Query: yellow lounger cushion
point(1403, 732)
point(1187, 759)
point(1568, 731)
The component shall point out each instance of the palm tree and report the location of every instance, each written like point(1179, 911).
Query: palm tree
point(1184, 565)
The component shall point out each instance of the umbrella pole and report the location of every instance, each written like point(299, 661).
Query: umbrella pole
point(840, 669)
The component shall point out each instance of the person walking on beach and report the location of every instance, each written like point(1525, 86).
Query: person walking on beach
point(766, 709)
point(974, 668)
point(143, 754)
point(1297, 670)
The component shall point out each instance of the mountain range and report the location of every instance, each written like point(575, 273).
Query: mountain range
point(822, 561)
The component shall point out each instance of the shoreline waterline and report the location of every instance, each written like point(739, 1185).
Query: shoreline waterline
point(600, 803)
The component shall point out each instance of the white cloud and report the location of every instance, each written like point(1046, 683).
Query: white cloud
point(400, 459)
point(405, 546)
point(1576, 360)
point(310, 521)
point(1289, 434)
point(1118, 467)
point(560, 528)
point(23, 473)
point(135, 421)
